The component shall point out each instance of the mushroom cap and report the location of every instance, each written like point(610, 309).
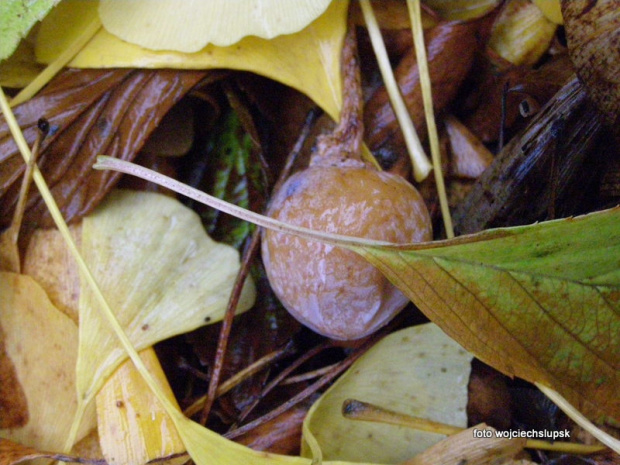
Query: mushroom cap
point(189, 25)
point(334, 291)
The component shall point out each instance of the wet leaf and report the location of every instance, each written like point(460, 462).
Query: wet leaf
point(42, 345)
point(133, 426)
point(521, 34)
point(189, 26)
point(551, 9)
point(593, 34)
point(16, 19)
point(461, 10)
point(91, 111)
point(160, 272)
point(540, 302)
point(418, 371)
point(308, 61)
point(451, 50)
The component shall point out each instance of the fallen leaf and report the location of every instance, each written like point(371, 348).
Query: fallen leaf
point(90, 112)
point(521, 34)
point(593, 35)
point(510, 192)
point(451, 50)
point(551, 9)
point(417, 371)
point(160, 273)
point(42, 344)
point(539, 302)
point(189, 26)
point(16, 19)
point(308, 61)
point(133, 426)
point(461, 10)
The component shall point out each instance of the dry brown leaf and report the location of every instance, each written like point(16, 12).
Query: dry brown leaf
point(94, 112)
point(469, 156)
point(12, 453)
point(451, 48)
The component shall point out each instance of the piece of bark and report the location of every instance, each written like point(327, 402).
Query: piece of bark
point(91, 112)
point(540, 168)
point(450, 49)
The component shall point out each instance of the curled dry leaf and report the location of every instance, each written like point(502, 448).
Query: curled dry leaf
point(417, 371)
point(44, 358)
point(521, 34)
point(451, 49)
point(190, 25)
point(308, 61)
point(159, 271)
point(461, 10)
point(593, 34)
point(92, 112)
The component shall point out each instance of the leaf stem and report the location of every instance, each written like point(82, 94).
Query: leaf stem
point(60, 62)
point(415, 15)
point(115, 164)
point(365, 411)
point(578, 418)
point(421, 165)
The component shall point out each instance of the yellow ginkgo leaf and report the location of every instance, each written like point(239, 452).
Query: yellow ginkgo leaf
point(160, 272)
point(418, 371)
point(133, 426)
point(190, 25)
point(308, 61)
point(41, 343)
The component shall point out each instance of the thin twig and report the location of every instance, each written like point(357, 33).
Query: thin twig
point(60, 62)
point(239, 377)
point(308, 375)
point(281, 376)
point(345, 364)
point(222, 343)
point(20, 208)
point(248, 255)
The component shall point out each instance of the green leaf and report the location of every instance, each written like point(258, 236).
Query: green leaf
point(539, 302)
point(231, 174)
point(16, 19)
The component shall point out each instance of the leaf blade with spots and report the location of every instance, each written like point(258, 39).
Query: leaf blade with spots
point(540, 302)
